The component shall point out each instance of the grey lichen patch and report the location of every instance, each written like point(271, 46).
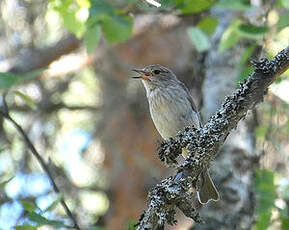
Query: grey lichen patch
point(264, 66)
point(169, 151)
point(185, 205)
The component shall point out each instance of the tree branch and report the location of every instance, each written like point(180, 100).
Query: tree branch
point(6, 115)
point(203, 145)
point(40, 58)
point(51, 107)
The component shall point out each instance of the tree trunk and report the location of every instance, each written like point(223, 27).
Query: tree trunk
point(233, 169)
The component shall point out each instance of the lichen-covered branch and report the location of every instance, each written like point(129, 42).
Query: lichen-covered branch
point(203, 145)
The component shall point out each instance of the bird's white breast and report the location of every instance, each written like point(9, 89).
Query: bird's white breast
point(171, 111)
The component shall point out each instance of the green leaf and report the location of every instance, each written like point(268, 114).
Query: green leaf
point(285, 3)
point(9, 79)
point(208, 25)
point(252, 31)
point(73, 24)
point(244, 69)
point(233, 4)
point(83, 3)
point(4, 183)
point(28, 100)
point(40, 220)
point(199, 39)
point(246, 55)
point(28, 206)
point(91, 38)
point(193, 6)
point(284, 223)
point(278, 80)
point(131, 225)
point(2, 149)
point(167, 5)
point(230, 37)
point(266, 195)
point(69, 12)
point(263, 221)
point(37, 218)
point(283, 21)
point(53, 204)
point(98, 9)
point(261, 131)
point(265, 190)
point(244, 74)
point(116, 28)
point(282, 212)
point(25, 226)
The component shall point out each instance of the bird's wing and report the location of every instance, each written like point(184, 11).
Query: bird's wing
point(190, 99)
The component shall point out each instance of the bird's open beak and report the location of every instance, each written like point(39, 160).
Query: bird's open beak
point(144, 74)
point(139, 71)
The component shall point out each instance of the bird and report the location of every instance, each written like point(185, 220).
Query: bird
point(172, 109)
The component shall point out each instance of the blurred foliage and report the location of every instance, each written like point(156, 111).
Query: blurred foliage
point(200, 38)
point(36, 217)
point(8, 79)
point(117, 27)
point(271, 187)
point(5, 182)
point(26, 99)
point(84, 18)
point(131, 225)
point(267, 197)
point(96, 21)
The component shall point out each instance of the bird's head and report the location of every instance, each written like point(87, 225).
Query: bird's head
point(155, 75)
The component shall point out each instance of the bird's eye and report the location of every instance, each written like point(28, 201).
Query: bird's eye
point(156, 71)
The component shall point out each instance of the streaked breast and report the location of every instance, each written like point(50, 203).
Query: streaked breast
point(171, 111)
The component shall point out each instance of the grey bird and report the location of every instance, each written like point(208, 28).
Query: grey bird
point(172, 109)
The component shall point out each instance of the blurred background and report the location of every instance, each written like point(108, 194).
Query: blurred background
point(65, 67)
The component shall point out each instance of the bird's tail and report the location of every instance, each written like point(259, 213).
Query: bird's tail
point(206, 189)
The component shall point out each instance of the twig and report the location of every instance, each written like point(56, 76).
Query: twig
point(6, 115)
point(41, 58)
point(51, 107)
point(203, 145)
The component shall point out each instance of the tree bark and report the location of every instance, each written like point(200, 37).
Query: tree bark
point(233, 168)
